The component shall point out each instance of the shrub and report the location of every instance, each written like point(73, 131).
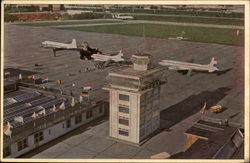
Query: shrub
point(10, 18)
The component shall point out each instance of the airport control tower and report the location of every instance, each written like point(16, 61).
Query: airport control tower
point(134, 100)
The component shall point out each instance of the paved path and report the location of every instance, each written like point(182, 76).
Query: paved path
point(94, 142)
point(87, 25)
point(187, 24)
point(52, 21)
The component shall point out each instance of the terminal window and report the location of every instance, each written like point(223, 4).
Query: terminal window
point(100, 110)
point(78, 118)
point(38, 137)
point(142, 110)
point(149, 94)
point(123, 109)
point(142, 132)
point(123, 132)
point(123, 121)
point(89, 114)
point(68, 123)
point(123, 97)
point(149, 117)
point(156, 91)
point(22, 144)
point(142, 121)
point(6, 151)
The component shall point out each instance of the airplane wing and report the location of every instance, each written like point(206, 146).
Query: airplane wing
point(74, 49)
point(189, 73)
point(60, 49)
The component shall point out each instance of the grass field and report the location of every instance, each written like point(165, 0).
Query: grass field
point(198, 34)
point(192, 20)
point(67, 23)
point(180, 12)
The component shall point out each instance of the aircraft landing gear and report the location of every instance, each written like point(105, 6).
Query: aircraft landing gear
point(54, 52)
point(99, 65)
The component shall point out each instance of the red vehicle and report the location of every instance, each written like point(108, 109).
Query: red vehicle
point(216, 109)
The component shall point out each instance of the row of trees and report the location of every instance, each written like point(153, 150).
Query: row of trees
point(13, 18)
point(32, 8)
point(14, 8)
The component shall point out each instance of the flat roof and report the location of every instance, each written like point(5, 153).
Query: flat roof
point(9, 82)
point(217, 135)
point(135, 74)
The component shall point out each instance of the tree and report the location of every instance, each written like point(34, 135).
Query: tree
point(10, 18)
point(50, 8)
point(62, 7)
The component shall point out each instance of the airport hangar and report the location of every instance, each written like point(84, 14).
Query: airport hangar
point(181, 98)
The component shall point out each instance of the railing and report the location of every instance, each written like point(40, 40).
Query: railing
point(51, 118)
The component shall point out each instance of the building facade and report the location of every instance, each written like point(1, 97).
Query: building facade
point(134, 101)
point(34, 132)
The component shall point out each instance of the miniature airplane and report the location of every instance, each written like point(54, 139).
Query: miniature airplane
point(179, 37)
point(56, 46)
point(118, 16)
point(106, 59)
point(102, 60)
point(176, 65)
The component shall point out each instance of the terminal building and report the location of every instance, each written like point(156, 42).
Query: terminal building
point(35, 117)
point(135, 100)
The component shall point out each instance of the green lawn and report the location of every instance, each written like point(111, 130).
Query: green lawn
point(180, 12)
point(224, 21)
point(67, 23)
point(199, 34)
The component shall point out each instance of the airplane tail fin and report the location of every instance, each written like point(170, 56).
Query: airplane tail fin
point(213, 65)
point(120, 53)
point(73, 43)
point(213, 62)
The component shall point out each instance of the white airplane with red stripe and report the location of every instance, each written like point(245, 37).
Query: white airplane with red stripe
point(107, 59)
point(177, 65)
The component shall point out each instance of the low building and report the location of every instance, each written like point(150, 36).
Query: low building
point(206, 140)
point(10, 86)
point(35, 117)
point(73, 12)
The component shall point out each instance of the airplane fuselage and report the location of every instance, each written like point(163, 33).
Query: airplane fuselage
point(104, 58)
point(176, 65)
point(58, 45)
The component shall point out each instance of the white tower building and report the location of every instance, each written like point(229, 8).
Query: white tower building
point(134, 100)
